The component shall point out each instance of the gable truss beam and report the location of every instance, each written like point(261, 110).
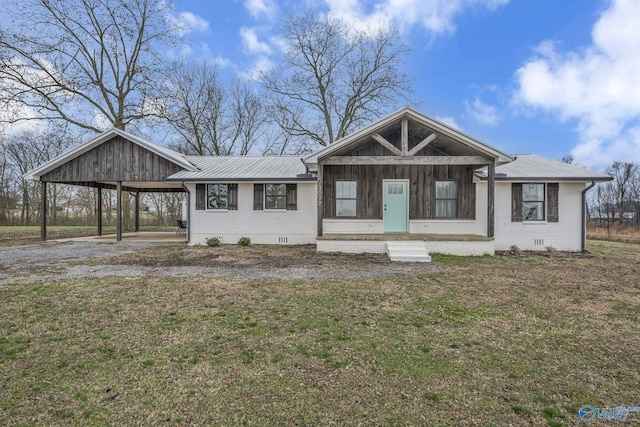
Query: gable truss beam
point(428, 140)
point(404, 137)
point(404, 142)
point(406, 160)
point(386, 144)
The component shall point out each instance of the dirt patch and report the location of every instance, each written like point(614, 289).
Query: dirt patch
point(545, 254)
point(303, 256)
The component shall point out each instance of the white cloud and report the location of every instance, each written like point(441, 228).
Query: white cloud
point(262, 65)
point(250, 42)
point(449, 121)
point(599, 86)
point(483, 113)
point(187, 22)
point(435, 16)
point(261, 8)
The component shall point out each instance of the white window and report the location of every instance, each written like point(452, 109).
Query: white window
point(346, 198)
point(217, 196)
point(446, 199)
point(533, 202)
point(275, 196)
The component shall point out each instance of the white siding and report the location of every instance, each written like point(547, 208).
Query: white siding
point(564, 235)
point(461, 248)
point(262, 227)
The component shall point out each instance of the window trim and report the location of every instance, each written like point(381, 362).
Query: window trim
point(552, 202)
point(336, 198)
point(283, 196)
point(210, 209)
point(544, 203)
point(456, 199)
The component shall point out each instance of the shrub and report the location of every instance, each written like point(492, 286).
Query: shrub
point(213, 242)
point(244, 241)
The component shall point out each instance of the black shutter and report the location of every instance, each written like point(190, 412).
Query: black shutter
point(233, 196)
point(258, 197)
point(292, 197)
point(516, 202)
point(201, 197)
point(552, 202)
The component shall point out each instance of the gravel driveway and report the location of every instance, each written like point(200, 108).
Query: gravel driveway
point(61, 261)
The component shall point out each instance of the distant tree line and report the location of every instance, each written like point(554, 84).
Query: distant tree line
point(617, 202)
point(70, 69)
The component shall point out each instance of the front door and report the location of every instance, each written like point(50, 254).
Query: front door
point(396, 206)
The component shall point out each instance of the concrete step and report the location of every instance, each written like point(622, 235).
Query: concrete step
point(408, 251)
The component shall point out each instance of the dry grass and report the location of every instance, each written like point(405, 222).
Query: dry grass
point(615, 233)
point(521, 340)
point(22, 235)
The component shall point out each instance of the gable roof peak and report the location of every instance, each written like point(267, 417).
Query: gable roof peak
point(418, 117)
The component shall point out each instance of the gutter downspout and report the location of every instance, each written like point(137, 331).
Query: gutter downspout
point(584, 215)
point(189, 211)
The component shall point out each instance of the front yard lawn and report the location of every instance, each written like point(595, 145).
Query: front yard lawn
point(513, 339)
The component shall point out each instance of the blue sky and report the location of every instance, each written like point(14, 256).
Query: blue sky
point(528, 76)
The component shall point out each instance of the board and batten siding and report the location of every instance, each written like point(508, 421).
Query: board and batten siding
point(115, 160)
point(421, 188)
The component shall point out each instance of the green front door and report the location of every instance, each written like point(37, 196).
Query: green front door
point(395, 206)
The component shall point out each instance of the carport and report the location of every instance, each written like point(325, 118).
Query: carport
point(114, 160)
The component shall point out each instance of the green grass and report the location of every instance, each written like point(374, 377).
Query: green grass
point(520, 340)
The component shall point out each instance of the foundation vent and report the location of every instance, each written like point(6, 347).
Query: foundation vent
point(220, 238)
point(538, 242)
point(283, 239)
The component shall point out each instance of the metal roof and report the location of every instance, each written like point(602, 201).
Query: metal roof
point(536, 168)
point(247, 168)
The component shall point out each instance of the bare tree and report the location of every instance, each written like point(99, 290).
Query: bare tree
point(334, 78)
point(211, 118)
point(27, 150)
point(85, 62)
point(8, 195)
point(622, 188)
point(192, 103)
point(248, 117)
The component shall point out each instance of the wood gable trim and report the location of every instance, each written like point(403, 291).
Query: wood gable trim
point(407, 160)
point(403, 117)
point(117, 159)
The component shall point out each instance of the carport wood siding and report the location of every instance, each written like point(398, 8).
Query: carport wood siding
point(115, 160)
point(421, 188)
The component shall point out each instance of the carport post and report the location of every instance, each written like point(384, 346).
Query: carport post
point(136, 220)
point(119, 211)
point(43, 212)
point(99, 211)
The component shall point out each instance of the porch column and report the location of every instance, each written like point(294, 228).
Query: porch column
point(491, 190)
point(136, 218)
point(99, 211)
point(118, 211)
point(320, 198)
point(43, 212)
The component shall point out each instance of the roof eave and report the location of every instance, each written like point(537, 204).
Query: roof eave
point(545, 179)
point(257, 179)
